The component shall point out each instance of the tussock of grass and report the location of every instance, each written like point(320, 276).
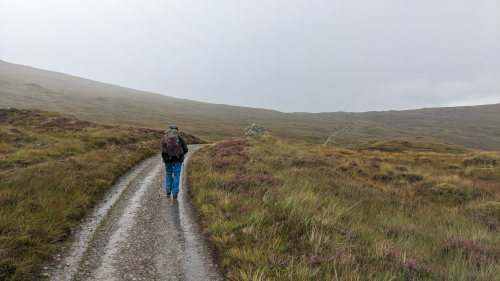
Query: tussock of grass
point(292, 212)
point(53, 168)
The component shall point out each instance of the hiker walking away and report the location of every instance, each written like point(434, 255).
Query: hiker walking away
point(172, 152)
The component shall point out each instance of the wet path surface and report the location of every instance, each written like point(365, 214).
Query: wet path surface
point(138, 233)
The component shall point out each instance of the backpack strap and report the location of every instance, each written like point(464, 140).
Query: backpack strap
point(177, 145)
point(169, 147)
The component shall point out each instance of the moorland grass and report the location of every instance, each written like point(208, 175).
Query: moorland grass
point(282, 211)
point(418, 144)
point(53, 168)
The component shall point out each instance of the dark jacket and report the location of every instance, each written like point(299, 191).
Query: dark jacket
point(175, 159)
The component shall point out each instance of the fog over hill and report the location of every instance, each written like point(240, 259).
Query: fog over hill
point(476, 127)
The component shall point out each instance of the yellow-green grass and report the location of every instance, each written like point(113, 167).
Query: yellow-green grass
point(282, 211)
point(53, 168)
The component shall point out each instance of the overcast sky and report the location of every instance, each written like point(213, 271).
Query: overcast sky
point(289, 55)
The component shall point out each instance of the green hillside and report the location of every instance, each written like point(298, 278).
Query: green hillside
point(476, 127)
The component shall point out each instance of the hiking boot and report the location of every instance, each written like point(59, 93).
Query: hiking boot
point(168, 192)
point(175, 196)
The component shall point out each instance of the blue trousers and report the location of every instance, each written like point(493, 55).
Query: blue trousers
point(173, 176)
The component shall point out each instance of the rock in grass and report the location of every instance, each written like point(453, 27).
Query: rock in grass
point(255, 130)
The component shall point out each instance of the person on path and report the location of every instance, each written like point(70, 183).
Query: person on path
point(173, 151)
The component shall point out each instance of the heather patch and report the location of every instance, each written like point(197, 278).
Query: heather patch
point(471, 250)
point(229, 154)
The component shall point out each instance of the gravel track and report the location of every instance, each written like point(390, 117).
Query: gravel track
point(138, 233)
point(334, 134)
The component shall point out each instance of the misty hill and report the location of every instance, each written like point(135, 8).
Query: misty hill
point(476, 127)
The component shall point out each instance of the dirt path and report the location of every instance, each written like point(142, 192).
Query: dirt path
point(137, 233)
point(334, 134)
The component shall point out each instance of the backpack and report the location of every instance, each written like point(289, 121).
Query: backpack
point(171, 145)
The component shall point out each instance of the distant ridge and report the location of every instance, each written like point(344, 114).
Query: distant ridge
point(476, 127)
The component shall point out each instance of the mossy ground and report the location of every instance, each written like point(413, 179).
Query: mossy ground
point(283, 211)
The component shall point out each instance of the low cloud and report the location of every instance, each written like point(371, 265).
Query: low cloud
point(325, 55)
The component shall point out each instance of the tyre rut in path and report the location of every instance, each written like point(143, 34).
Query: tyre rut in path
point(138, 233)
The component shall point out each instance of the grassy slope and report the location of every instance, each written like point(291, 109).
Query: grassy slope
point(475, 127)
point(277, 212)
point(53, 167)
point(418, 144)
